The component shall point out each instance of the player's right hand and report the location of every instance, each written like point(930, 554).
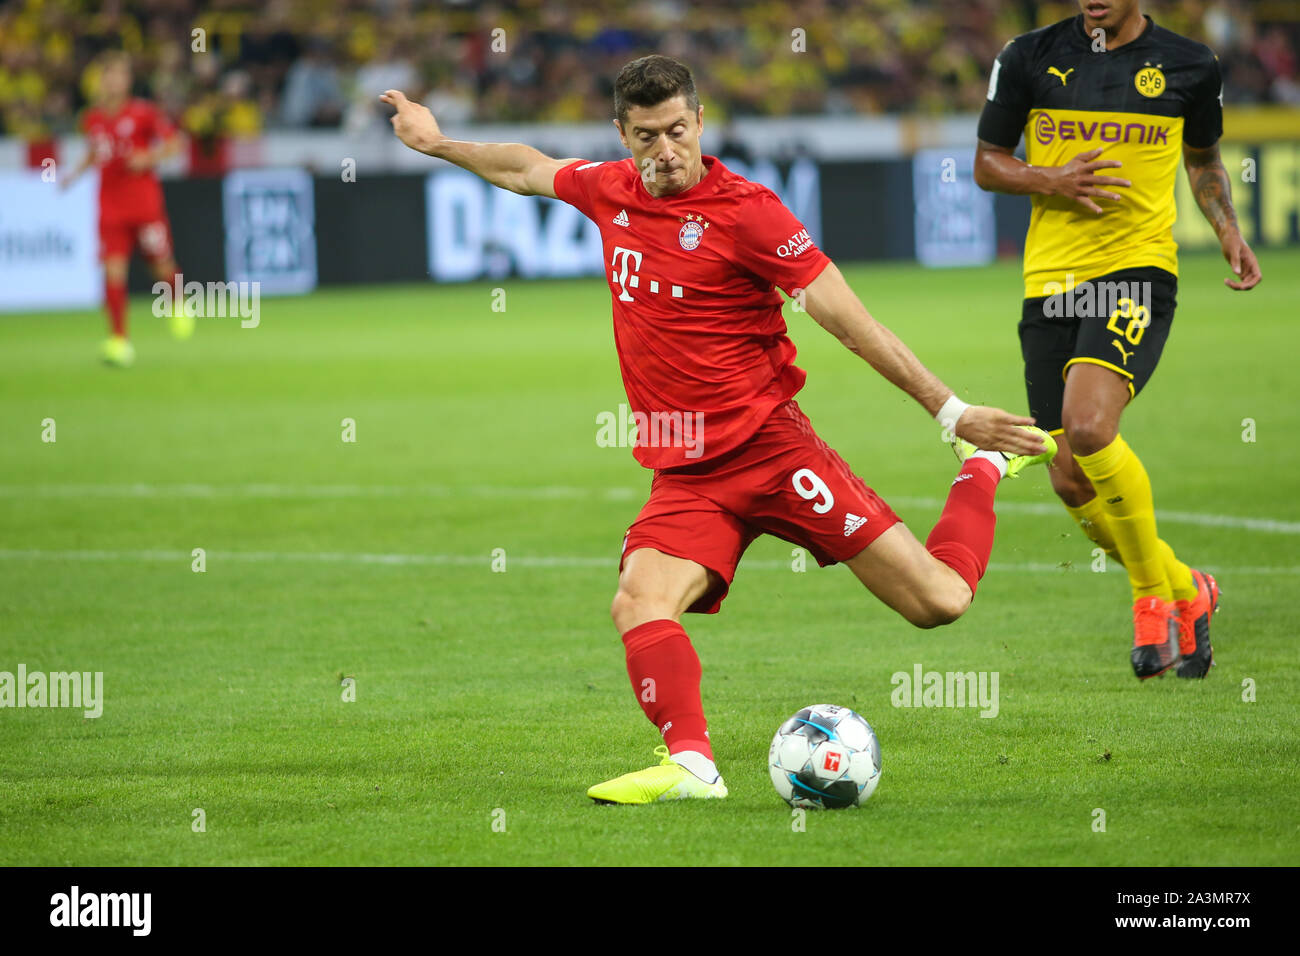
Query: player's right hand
point(1077, 180)
point(413, 123)
point(996, 429)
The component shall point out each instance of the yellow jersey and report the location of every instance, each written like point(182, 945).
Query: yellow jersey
point(1065, 94)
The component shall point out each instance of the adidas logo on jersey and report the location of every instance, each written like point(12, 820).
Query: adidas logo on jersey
point(621, 218)
point(852, 523)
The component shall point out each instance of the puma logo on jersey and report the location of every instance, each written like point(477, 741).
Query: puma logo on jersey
point(852, 522)
point(1127, 355)
point(1064, 76)
point(621, 218)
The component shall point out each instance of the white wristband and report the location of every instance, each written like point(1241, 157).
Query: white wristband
point(951, 412)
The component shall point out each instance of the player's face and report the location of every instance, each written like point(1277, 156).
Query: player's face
point(1107, 14)
point(665, 144)
point(115, 81)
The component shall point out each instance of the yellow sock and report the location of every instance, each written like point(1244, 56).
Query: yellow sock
point(1096, 525)
point(1125, 492)
point(1180, 577)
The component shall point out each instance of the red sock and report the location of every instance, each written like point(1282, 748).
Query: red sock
point(963, 537)
point(115, 302)
point(665, 673)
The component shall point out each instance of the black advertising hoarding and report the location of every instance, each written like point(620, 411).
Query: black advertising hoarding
point(448, 226)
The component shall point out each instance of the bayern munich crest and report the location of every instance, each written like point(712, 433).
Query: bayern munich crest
point(692, 232)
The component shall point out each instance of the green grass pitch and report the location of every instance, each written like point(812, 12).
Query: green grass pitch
point(486, 702)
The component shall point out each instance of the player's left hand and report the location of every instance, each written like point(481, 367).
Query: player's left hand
point(139, 161)
point(1242, 259)
point(998, 430)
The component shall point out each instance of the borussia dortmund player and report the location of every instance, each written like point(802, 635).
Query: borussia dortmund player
point(693, 256)
point(1106, 102)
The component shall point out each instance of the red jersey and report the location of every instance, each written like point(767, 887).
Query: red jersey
point(124, 194)
point(701, 341)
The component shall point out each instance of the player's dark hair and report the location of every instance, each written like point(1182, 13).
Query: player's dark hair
point(651, 80)
point(114, 57)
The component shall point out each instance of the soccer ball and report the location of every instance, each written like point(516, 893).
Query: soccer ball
point(825, 758)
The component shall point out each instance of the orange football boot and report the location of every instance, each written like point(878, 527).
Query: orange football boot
point(1156, 632)
point(1194, 621)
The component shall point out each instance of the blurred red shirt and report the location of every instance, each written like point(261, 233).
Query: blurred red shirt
point(125, 194)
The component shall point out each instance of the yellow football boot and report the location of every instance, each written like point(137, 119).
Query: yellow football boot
point(667, 781)
point(118, 351)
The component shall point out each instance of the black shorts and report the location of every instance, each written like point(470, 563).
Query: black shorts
point(1120, 320)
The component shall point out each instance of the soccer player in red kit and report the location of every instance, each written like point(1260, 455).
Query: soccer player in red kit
point(126, 139)
point(692, 255)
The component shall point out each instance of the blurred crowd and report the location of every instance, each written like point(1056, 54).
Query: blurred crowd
point(231, 68)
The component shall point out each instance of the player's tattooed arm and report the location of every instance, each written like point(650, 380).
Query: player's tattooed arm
point(513, 166)
point(836, 308)
point(1210, 186)
point(1213, 191)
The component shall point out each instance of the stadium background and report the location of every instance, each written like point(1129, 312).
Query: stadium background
point(848, 110)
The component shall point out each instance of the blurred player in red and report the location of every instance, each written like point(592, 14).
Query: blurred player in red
point(694, 254)
point(127, 138)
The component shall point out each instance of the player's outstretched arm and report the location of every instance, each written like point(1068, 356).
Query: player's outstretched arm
point(1213, 192)
point(513, 166)
point(836, 308)
point(998, 170)
point(66, 181)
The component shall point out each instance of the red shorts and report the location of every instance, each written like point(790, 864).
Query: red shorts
point(784, 481)
point(118, 236)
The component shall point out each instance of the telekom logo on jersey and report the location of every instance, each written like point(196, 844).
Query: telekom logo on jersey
point(624, 270)
point(627, 264)
point(625, 257)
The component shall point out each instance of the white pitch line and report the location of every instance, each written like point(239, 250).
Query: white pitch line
point(310, 557)
point(272, 490)
point(1269, 525)
point(485, 560)
point(546, 492)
